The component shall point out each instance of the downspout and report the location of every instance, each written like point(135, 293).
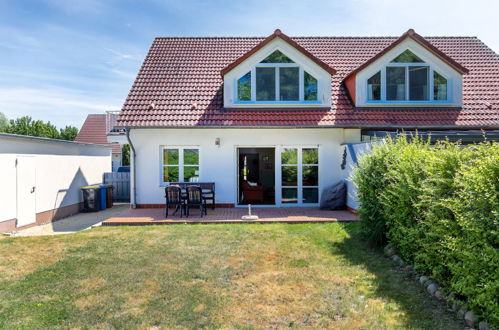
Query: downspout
point(132, 163)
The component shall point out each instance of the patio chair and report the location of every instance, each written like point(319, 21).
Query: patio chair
point(252, 193)
point(195, 198)
point(173, 195)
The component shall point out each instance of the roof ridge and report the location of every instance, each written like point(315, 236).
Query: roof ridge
point(310, 37)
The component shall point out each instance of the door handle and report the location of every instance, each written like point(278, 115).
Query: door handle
point(33, 189)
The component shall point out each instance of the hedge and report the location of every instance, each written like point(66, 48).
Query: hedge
point(438, 205)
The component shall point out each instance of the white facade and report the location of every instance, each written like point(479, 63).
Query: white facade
point(50, 171)
point(218, 163)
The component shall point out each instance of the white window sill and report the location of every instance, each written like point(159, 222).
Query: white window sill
point(408, 104)
point(278, 105)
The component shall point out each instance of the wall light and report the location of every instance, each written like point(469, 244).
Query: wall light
point(217, 142)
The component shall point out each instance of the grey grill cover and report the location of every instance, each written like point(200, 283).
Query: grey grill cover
point(334, 197)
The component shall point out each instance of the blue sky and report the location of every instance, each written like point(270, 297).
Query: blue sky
point(63, 59)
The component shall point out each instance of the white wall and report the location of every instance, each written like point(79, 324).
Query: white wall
point(358, 149)
point(58, 176)
point(116, 159)
point(8, 190)
point(218, 163)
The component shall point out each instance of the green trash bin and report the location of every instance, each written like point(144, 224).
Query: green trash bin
point(91, 198)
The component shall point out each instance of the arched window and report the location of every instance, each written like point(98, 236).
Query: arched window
point(407, 78)
point(277, 78)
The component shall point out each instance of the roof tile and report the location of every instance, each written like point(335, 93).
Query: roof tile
point(180, 72)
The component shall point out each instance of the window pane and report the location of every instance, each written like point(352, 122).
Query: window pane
point(395, 83)
point(170, 156)
point(374, 87)
point(277, 57)
point(244, 88)
point(310, 175)
point(265, 84)
point(310, 195)
point(418, 83)
point(310, 90)
point(407, 57)
point(289, 81)
point(310, 156)
point(289, 175)
point(191, 173)
point(439, 87)
point(170, 174)
point(290, 195)
point(289, 156)
point(191, 156)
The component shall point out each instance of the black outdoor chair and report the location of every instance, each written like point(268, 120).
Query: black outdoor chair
point(173, 195)
point(195, 198)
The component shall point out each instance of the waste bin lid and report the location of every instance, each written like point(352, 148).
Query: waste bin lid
point(90, 187)
point(103, 186)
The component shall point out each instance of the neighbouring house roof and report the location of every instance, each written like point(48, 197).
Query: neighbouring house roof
point(95, 130)
point(179, 85)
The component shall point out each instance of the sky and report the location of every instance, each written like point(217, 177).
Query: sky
point(63, 59)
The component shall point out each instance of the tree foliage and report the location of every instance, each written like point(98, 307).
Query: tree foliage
point(4, 122)
point(68, 133)
point(125, 155)
point(27, 126)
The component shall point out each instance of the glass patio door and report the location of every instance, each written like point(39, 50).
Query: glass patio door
point(299, 179)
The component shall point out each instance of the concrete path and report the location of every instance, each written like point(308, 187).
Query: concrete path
point(75, 223)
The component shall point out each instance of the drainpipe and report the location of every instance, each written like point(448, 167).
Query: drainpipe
point(132, 172)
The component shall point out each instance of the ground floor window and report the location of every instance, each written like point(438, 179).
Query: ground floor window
point(300, 175)
point(180, 164)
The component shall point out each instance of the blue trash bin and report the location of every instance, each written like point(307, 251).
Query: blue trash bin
point(102, 196)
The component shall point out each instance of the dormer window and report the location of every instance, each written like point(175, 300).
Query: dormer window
point(407, 79)
point(277, 79)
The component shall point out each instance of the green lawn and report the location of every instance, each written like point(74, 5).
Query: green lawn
point(215, 276)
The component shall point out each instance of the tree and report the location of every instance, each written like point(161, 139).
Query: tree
point(27, 126)
point(125, 155)
point(68, 133)
point(4, 122)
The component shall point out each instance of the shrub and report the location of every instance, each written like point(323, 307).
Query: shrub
point(439, 206)
point(370, 180)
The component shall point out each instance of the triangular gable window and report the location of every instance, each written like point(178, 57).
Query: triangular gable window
point(407, 57)
point(277, 79)
point(277, 57)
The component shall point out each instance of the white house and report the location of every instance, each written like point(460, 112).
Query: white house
point(266, 119)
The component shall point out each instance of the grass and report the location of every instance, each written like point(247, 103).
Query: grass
point(209, 276)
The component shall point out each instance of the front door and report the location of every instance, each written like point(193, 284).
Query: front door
point(26, 185)
point(299, 176)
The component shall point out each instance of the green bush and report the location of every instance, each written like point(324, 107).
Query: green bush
point(439, 207)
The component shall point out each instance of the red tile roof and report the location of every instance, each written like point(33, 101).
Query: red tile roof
point(94, 131)
point(278, 34)
point(181, 77)
point(420, 40)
